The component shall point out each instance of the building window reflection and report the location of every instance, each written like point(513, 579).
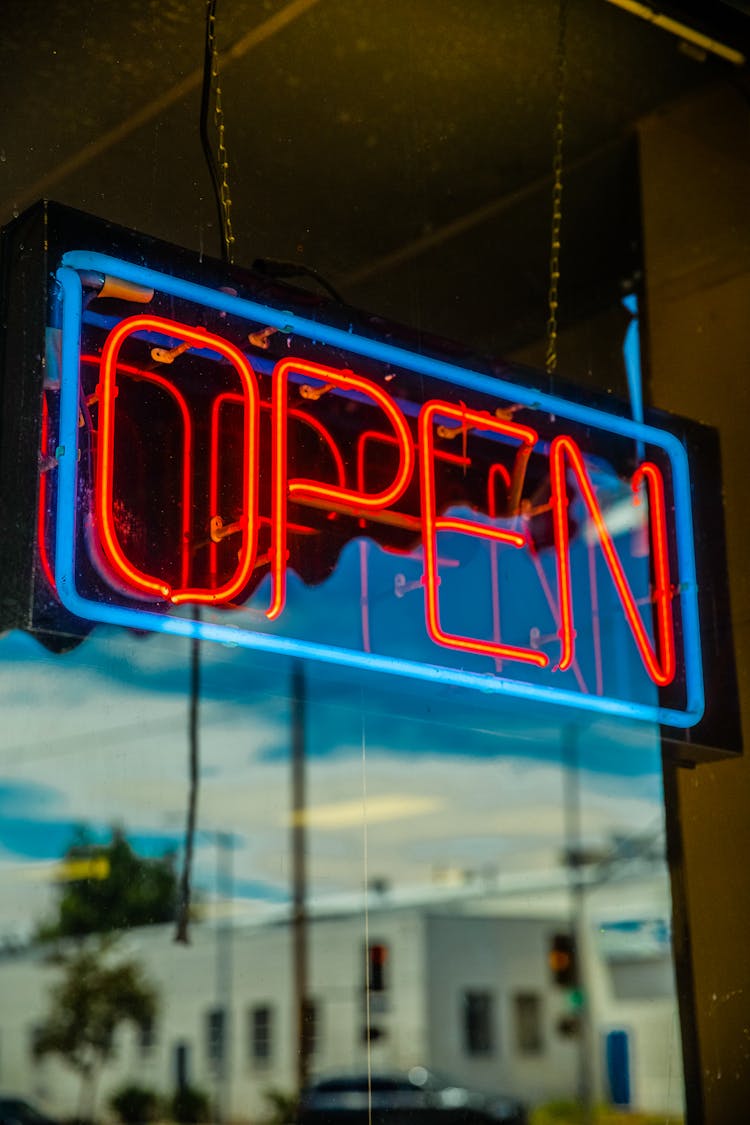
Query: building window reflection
point(527, 1017)
point(479, 1022)
point(147, 1038)
point(215, 1034)
point(260, 1027)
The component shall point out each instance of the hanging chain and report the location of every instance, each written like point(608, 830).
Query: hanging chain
point(222, 154)
point(557, 187)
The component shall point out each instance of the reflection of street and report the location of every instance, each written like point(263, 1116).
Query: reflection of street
point(416, 1097)
point(459, 843)
point(460, 981)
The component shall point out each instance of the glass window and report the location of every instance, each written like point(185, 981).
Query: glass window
point(342, 815)
point(215, 1033)
point(527, 1014)
point(181, 1063)
point(260, 1026)
point(479, 1020)
point(311, 1026)
point(147, 1036)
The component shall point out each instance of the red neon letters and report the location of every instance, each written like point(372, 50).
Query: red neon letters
point(126, 572)
point(338, 497)
point(662, 670)
point(248, 420)
point(432, 524)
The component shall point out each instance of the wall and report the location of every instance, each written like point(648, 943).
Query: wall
point(189, 987)
point(501, 956)
point(695, 170)
point(433, 958)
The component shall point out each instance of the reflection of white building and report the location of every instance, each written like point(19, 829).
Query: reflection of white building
point(467, 990)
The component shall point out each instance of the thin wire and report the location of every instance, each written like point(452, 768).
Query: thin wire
point(219, 171)
point(553, 300)
point(182, 934)
point(367, 921)
point(219, 180)
point(276, 267)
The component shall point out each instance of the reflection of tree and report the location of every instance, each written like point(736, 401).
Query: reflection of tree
point(108, 887)
point(93, 998)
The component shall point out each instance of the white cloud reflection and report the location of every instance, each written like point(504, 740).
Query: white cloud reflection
point(99, 736)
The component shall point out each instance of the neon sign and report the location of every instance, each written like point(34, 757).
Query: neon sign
point(323, 492)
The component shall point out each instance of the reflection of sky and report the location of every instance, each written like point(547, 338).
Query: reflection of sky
point(99, 736)
point(444, 778)
point(380, 592)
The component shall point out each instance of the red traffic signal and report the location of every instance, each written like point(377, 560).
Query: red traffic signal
point(377, 961)
point(562, 960)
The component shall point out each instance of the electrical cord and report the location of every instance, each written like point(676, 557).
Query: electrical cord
point(272, 267)
point(182, 933)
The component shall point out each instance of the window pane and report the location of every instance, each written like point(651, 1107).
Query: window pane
point(527, 1010)
point(215, 1031)
point(261, 1031)
point(311, 1027)
point(479, 1036)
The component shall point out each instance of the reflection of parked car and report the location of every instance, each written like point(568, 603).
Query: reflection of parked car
point(14, 1111)
point(395, 1098)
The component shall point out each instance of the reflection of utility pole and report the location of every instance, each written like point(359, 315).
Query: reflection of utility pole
point(225, 890)
point(299, 874)
point(573, 854)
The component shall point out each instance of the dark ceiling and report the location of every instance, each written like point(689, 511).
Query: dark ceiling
point(401, 147)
